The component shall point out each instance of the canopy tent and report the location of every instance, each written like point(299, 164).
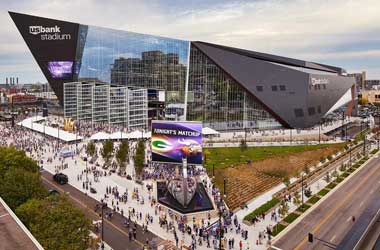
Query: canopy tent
point(100, 136)
point(209, 131)
point(119, 135)
point(136, 134)
point(31, 123)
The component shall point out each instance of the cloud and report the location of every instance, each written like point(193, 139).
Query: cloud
point(305, 29)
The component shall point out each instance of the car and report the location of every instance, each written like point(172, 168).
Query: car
point(92, 190)
point(60, 178)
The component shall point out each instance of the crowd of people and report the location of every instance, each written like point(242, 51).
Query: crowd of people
point(138, 205)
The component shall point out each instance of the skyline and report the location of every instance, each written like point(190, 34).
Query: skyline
point(330, 33)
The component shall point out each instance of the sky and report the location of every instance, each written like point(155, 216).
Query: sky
point(342, 33)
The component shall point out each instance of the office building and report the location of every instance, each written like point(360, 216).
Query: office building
point(103, 103)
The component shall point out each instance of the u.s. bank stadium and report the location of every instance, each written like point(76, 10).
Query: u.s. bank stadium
point(94, 71)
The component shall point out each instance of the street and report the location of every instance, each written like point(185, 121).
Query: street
point(333, 218)
point(115, 233)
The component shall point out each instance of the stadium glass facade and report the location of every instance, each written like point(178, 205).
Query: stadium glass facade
point(225, 88)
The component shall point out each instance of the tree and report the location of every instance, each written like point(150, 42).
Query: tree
point(17, 186)
point(286, 181)
point(139, 157)
point(327, 178)
point(306, 170)
point(284, 208)
point(296, 198)
point(243, 145)
point(91, 149)
point(122, 155)
point(56, 223)
point(307, 192)
point(342, 167)
point(107, 150)
point(11, 158)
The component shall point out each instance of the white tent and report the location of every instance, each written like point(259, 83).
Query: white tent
point(119, 135)
point(100, 136)
point(209, 131)
point(31, 123)
point(136, 134)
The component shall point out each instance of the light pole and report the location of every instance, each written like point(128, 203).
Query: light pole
point(319, 133)
point(290, 136)
point(220, 228)
point(302, 189)
point(224, 186)
point(350, 155)
point(103, 205)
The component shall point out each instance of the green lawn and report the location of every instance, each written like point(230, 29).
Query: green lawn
point(339, 179)
point(303, 208)
point(277, 229)
point(262, 209)
point(323, 192)
point(228, 156)
point(331, 185)
point(291, 217)
point(313, 200)
point(345, 174)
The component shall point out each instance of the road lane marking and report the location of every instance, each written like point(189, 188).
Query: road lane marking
point(85, 206)
point(361, 203)
point(316, 228)
point(349, 219)
point(333, 238)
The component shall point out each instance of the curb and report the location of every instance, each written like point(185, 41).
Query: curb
point(307, 212)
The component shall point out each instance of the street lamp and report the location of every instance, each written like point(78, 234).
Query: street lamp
point(350, 155)
point(224, 186)
point(103, 205)
point(302, 191)
point(220, 227)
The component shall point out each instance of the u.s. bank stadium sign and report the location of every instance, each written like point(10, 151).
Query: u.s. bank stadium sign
point(49, 33)
point(318, 81)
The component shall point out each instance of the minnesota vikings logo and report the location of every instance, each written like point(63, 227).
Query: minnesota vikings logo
point(191, 147)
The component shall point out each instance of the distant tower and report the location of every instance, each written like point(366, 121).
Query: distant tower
point(17, 80)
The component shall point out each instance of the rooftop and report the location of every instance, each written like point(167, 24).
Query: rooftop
point(13, 234)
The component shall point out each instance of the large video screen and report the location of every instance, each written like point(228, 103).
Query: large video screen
point(60, 69)
point(173, 141)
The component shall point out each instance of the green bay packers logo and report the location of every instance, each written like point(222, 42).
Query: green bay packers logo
point(161, 145)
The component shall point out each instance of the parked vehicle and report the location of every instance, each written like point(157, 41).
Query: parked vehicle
point(60, 178)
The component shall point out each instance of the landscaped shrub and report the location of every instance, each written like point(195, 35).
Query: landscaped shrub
point(313, 200)
point(303, 208)
point(339, 179)
point(262, 209)
point(374, 151)
point(331, 185)
point(291, 217)
point(323, 192)
point(345, 174)
point(277, 229)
